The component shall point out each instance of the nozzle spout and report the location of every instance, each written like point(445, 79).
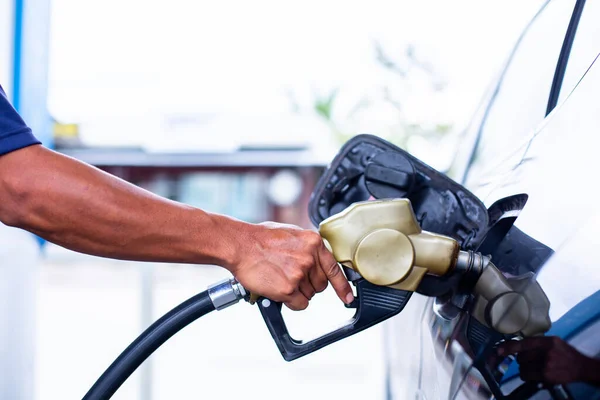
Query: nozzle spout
point(471, 264)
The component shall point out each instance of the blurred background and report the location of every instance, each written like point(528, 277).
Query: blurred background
point(235, 107)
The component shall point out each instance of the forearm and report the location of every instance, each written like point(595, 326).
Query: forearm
point(84, 209)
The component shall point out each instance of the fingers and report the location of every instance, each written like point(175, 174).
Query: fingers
point(532, 372)
point(494, 360)
point(297, 302)
point(306, 288)
point(318, 279)
point(334, 274)
point(531, 357)
point(527, 344)
point(509, 347)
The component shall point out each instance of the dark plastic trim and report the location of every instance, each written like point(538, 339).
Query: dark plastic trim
point(563, 58)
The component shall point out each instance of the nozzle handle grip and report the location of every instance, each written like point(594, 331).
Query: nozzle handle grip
point(374, 304)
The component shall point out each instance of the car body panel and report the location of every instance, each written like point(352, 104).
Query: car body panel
point(552, 159)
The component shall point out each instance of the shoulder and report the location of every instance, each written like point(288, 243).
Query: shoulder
point(14, 132)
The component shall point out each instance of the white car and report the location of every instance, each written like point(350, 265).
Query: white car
point(526, 192)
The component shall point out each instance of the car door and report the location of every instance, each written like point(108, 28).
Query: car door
point(525, 93)
point(566, 222)
point(557, 172)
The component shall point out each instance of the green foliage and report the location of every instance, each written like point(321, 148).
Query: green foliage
point(396, 94)
point(324, 106)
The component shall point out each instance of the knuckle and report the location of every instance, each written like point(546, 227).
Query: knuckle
point(297, 275)
point(313, 238)
point(288, 289)
point(332, 270)
point(307, 263)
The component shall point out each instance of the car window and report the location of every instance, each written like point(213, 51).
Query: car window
point(586, 47)
point(521, 100)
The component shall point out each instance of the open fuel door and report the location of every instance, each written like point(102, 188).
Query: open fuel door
point(368, 166)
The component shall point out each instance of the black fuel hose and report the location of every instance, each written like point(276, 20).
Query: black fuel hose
point(152, 338)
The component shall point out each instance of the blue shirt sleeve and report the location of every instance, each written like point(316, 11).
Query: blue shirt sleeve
point(14, 133)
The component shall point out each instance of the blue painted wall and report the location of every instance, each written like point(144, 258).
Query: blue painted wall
point(30, 67)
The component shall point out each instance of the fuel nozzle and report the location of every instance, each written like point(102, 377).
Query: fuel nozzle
point(383, 242)
point(510, 305)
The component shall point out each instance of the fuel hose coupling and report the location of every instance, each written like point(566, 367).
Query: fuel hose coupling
point(471, 265)
point(226, 293)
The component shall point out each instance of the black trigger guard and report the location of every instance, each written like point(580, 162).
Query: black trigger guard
point(374, 305)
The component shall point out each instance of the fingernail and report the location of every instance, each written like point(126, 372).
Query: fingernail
point(349, 298)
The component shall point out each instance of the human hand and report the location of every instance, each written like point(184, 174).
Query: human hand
point(551, 360)
point(288, 264)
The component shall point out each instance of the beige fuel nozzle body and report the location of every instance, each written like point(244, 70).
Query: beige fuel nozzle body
point(515, 305)
point(383, 241)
